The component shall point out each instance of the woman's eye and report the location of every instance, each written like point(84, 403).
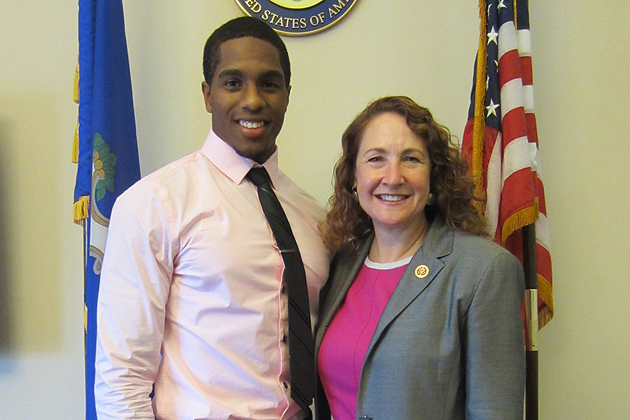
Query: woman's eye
point(415, 159)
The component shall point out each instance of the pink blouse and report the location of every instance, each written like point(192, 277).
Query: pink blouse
point(345, 344)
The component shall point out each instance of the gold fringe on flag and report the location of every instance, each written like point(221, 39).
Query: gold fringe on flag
point(75, 145)
point(479, 125)
point(81, 207)
point(515, 14)
point(524, 217)
point(545, 293)
point(76, 85)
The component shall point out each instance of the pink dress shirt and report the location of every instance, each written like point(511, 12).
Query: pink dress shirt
point(191, 296)
point(345, 344)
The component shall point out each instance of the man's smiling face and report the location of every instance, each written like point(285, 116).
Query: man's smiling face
point(248, 97)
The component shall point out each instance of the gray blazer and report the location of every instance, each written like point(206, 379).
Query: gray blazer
point(449, 344)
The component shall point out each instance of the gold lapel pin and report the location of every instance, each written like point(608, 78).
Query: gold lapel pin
point(422, 271)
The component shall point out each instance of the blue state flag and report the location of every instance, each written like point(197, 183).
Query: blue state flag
point(107, 149)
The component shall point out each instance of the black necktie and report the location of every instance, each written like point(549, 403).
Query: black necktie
point(300, 334)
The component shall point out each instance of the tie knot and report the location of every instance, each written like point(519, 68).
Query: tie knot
point(258, 176)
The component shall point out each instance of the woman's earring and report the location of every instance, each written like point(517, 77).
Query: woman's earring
point(354, 191)
point(431, 199)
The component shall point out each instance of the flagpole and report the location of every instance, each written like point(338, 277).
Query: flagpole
point(531, 308)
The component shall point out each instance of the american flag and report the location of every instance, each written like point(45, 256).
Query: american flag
point(501, 141)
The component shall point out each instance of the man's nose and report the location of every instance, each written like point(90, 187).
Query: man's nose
point(252, 98)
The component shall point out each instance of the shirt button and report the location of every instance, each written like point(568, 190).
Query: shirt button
point(286, 385)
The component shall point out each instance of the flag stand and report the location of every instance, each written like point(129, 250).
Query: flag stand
point(531, 309)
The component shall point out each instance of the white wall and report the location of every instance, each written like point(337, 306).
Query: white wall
point(583, 100)
point(420, 49)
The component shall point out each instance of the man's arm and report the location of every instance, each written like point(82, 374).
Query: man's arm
point(135, 281)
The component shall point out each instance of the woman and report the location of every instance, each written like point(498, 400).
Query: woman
point(420, 318)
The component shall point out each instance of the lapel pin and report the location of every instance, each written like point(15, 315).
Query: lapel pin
point(422, 271)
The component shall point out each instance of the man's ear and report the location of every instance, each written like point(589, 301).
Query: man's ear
point(288, 96)
point(205, 88)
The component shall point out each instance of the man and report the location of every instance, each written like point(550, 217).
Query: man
point(192, 302)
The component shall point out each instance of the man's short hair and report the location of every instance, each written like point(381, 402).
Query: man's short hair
point(238, 28)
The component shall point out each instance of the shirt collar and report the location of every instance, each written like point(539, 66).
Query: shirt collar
point(233, 165)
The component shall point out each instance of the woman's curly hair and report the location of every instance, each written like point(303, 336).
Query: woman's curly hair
point(451, 187)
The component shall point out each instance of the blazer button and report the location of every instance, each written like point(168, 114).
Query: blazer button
point(366, 417)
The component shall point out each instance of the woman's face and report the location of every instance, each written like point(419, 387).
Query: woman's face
point(392, 174)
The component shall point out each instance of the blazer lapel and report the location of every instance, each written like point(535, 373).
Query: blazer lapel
point(425, 265)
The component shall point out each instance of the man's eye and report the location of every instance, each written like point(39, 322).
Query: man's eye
point(271, 85)
point(231, 83)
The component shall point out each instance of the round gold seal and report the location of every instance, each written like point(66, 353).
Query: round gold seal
point(297, 17)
